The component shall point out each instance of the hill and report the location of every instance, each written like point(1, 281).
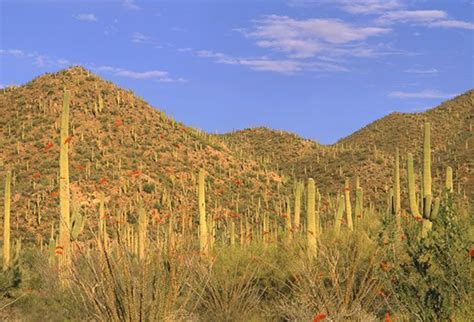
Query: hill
point(134, 153)
point(369, 152)
point(120, 146)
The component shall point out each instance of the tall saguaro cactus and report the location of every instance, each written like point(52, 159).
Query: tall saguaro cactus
point(203, 233)
point(348, 207)
point(311, 219)
point(142, 231)
point(427, 160)
point(6, 223)
point(449, 179)
point(338, 217)
point(298, 192)
point(102, 223)
point(64, 193)
point(427, 196)
point(396, 189)
point(411, 187)
point(288, 228)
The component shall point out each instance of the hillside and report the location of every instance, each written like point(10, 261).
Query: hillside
point(368, 153)
point(452, 135)
point(128, 150)
point(267, 145)
point(120, 146)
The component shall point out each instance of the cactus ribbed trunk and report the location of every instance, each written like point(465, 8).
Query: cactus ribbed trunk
point(64, 192)
point(427, 196)
point(102, 225)
point(142, 232)
point(232, 232)
point(6, 223)
point(339, 214)
point(396, 189)
point(203, 233)
point(411, 186)
point(288, 228)
point(358, 211)
point(311, 219)
point(348, 207)
point(427, 160)
point(299, 189)
point(449, 179)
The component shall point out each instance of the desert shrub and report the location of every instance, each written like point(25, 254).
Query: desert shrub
point(148, 187)
point(35, 294)
point(433, 279)
point(226, 287)
point(343, 282)
point(115, 285)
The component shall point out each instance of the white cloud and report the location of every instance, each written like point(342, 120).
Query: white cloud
point(411, 16)
point(37, 59)
point(89, 17)
point(392, 11)
point(427, 93)
point(12, 52)
point(421, 71)
point(281, 66)
point(355, 6)
point(368, 6)
point(161, 76)
point(130, 5)
point(138, 37)
point(427, 18)
point(452, 24)
point(306, 38)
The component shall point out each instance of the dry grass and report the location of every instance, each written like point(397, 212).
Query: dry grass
point(114, 285)
point(227, 291)
point(343, 283)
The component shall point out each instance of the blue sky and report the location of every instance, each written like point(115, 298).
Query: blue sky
point(320, 68)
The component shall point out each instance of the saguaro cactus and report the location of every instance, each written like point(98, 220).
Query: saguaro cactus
point(102, 223)
point(311, 219)
point(348, 207)
point(339, 213)
point(288, 228)
point(427, 160)
point(396, 189)
point(78, 221)
point(203, 233)
point(411, 187)
point(449, 179)
point(6, 223)
point(427, 196)
point(298, 192)
point(359, 208)
point(142, 231)
point(64, 193)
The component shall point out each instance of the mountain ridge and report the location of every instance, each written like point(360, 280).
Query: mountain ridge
point(132, 152)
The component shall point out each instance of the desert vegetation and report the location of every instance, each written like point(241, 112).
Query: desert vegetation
point(184, 225)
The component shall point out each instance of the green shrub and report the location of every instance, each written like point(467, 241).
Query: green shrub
point(433, 282)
